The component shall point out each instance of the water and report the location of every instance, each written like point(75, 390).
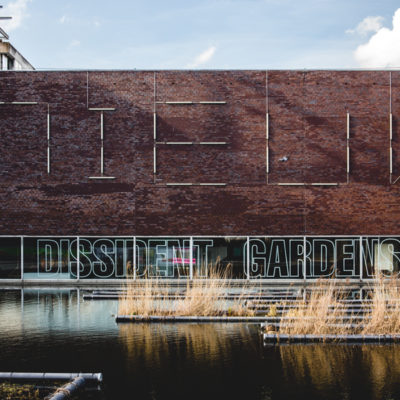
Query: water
point(50, 330)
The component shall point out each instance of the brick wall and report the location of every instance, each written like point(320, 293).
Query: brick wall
point(307, 124)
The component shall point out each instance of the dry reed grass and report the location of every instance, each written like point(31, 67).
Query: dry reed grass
point(319, 314)
point(323, 313)
point(201, 297)
point(384, 317)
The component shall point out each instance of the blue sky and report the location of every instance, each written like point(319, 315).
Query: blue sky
point(207, 34)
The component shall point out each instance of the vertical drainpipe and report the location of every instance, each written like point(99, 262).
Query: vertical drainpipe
point(22, 258)
point(191, 258)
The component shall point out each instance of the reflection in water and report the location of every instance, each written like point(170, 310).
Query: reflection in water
point(195, 361)
point(338, 366)
point(319, 364)
point(382, 366)
point(199, 342)
point(55, 330)
point(35, 311)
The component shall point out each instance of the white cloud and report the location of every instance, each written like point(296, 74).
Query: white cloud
point(367, 25)
point(18, 11)
point(383, 48)
point(63, 19)
point(203, 58)
point(74, 43)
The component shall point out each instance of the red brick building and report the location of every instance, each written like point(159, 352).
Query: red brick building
point(169, 172)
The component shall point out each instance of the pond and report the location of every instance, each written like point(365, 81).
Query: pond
point(55, 330)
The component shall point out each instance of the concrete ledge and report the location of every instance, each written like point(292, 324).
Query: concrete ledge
point(276, 338)
point(189, 318)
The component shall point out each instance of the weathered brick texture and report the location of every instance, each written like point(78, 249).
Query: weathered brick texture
point(307, 114)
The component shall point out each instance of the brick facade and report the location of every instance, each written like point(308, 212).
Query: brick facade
point(307, 124)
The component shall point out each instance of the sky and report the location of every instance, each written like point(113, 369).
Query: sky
point(205, 34)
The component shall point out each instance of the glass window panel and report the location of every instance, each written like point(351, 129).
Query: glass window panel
point(50, 258)
point(276, 258)
point(219, 257)
point(10, 258)
point(333, 257)
point(380, 255)
point(105, 258)
point(163, 257)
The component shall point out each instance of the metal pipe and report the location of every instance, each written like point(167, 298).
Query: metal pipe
point(348, 160)
point(102, 125)
point(180, 143)
point(69, 389)
point(178, 102)
point(212, 102)
point(212, 143)
point(51, 376)
point(155, 126)
point(48, 159)
point(101, 159)
point(48, 126)
point(154, 159)
point(102, 109)
point(391, 160)
point(391, 126)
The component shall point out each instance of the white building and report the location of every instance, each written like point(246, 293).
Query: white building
point(10, 58)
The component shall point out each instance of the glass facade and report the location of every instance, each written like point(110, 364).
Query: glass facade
point(244, 257)
point(223, 257)
point(276, 258)
point(163, 257)
point(10, 258)
point(105, 258)
point(49, 258)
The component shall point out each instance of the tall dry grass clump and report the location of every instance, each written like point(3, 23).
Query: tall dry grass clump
point(320, 313)
point(200, 297)
point(144, 296)
point(323, 311)
point(384, 315)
